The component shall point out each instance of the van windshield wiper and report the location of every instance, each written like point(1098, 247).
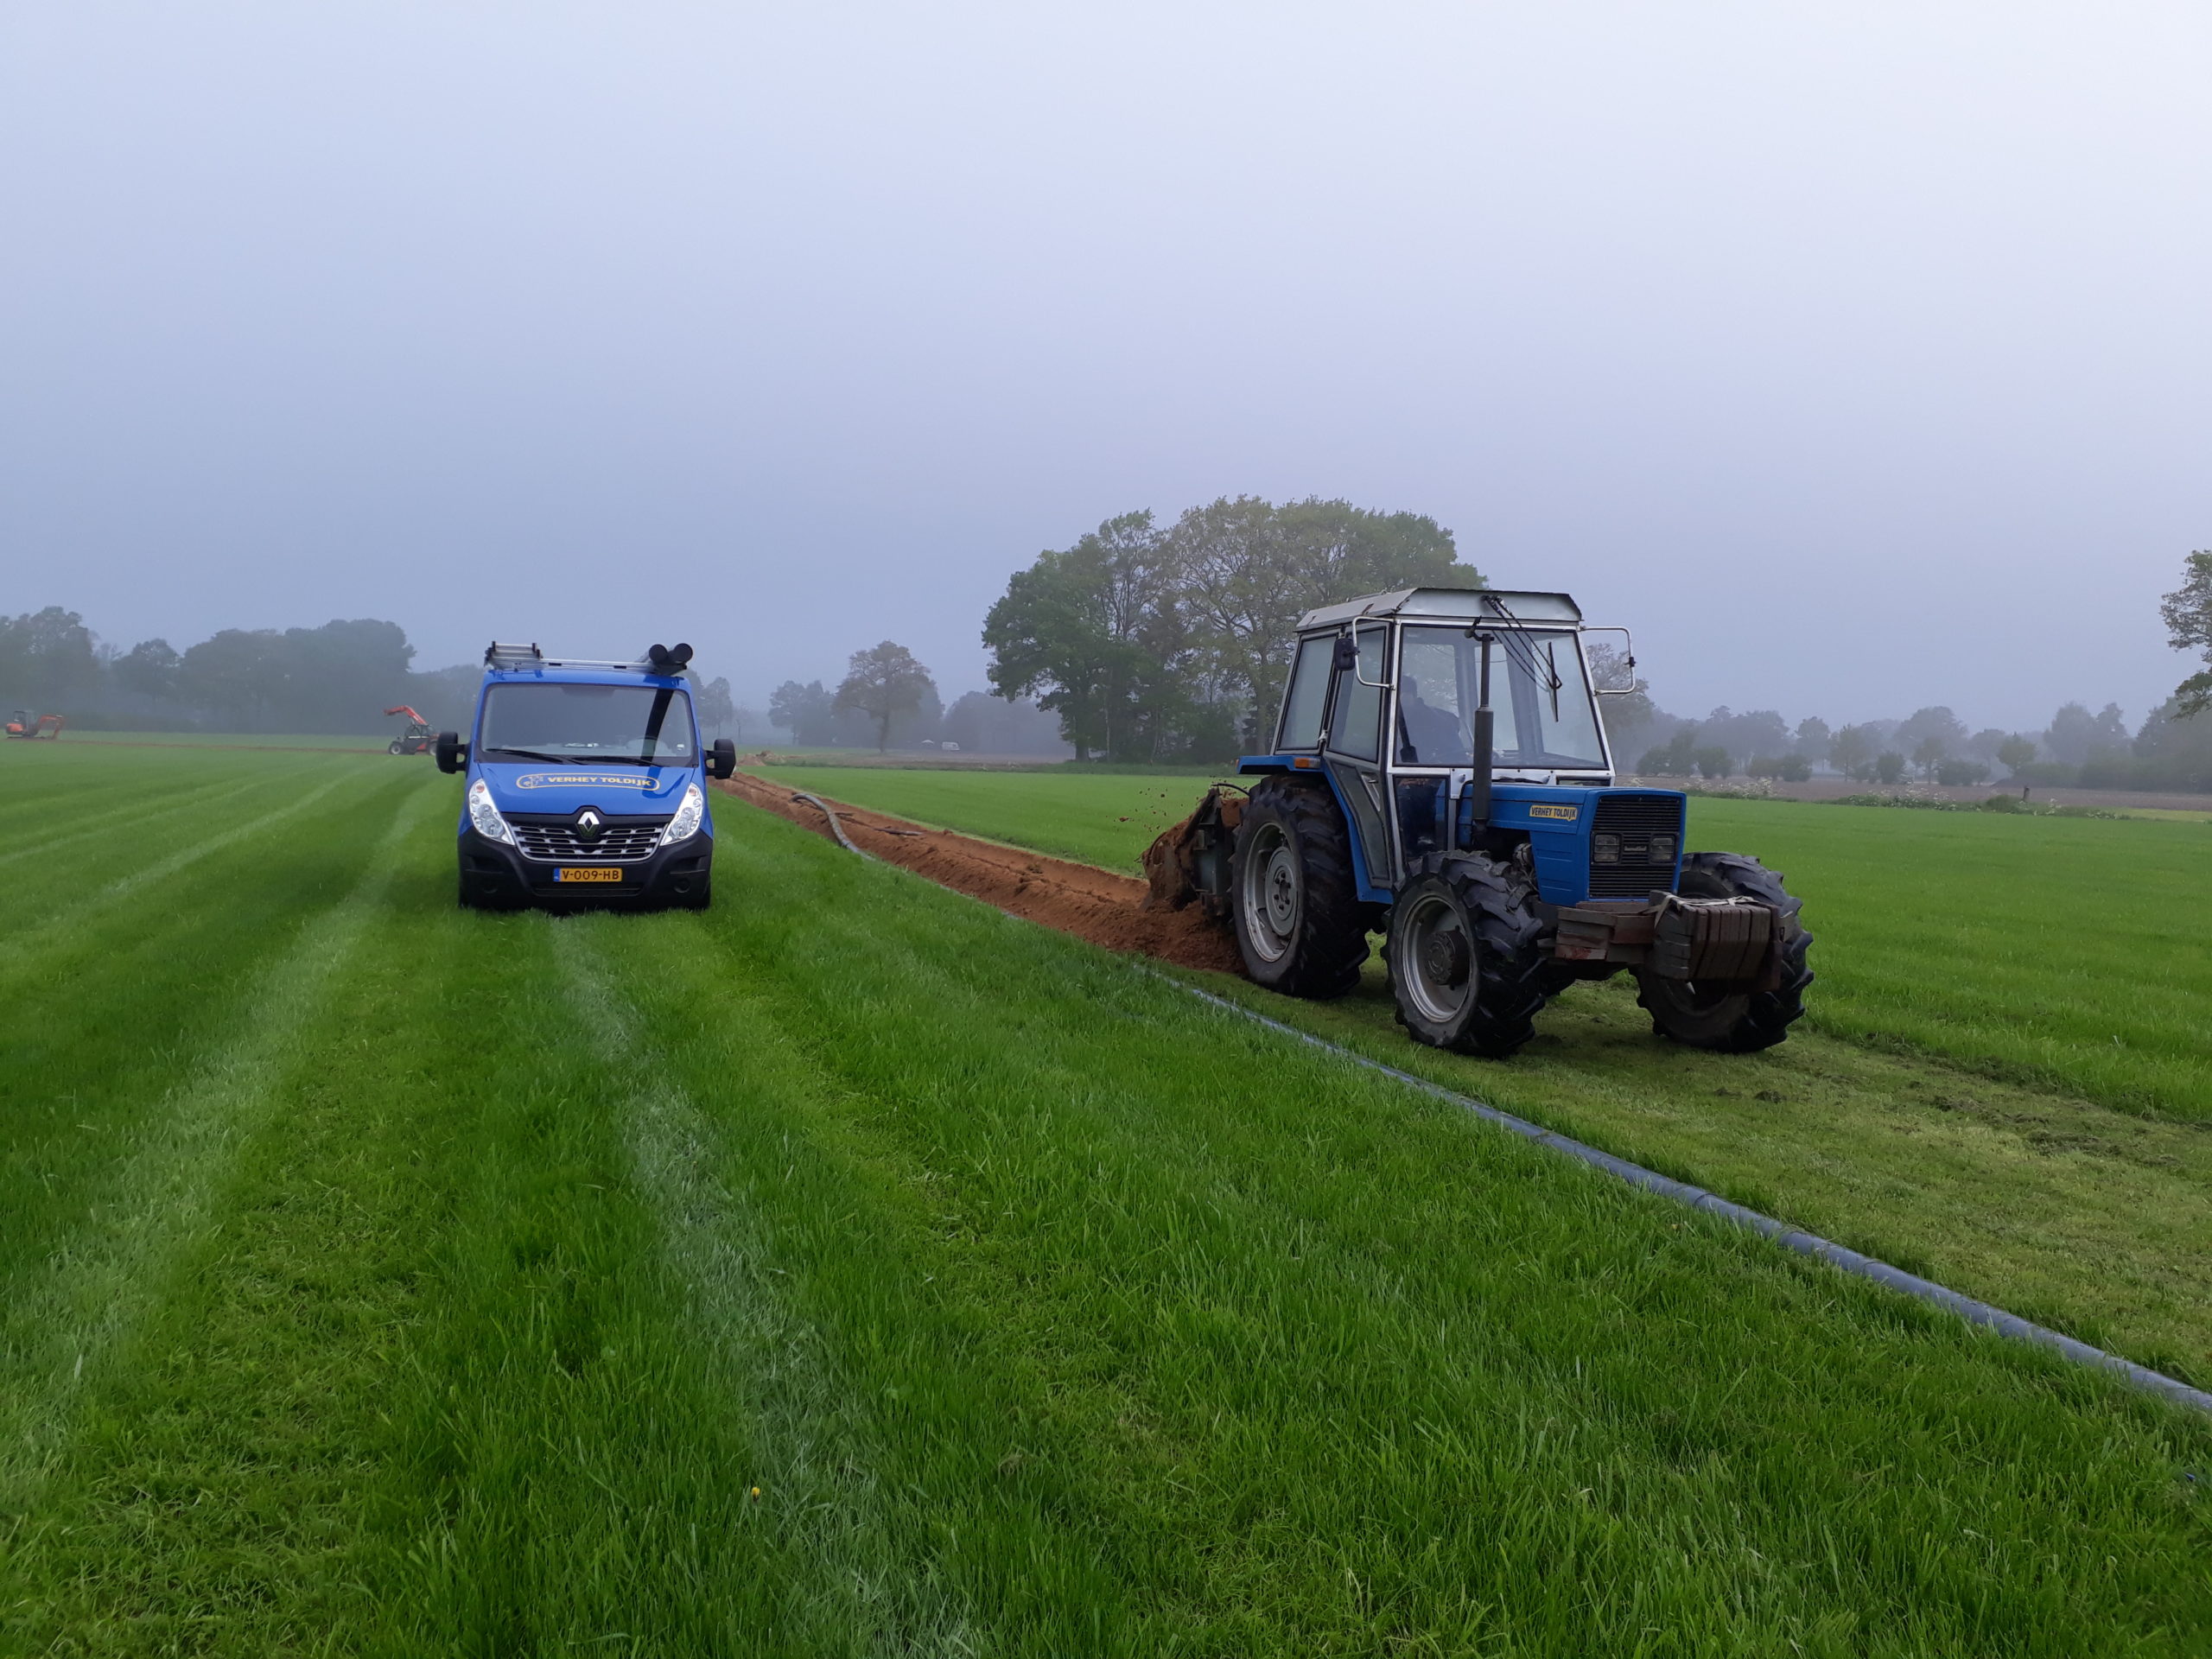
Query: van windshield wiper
point(538, 754)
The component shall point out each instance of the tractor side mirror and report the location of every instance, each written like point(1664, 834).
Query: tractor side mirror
point(1347, 653)
point(722, 759)
point(453, 754)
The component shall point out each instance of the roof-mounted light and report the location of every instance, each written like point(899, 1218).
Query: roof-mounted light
point(669, 659)
point(500, 654)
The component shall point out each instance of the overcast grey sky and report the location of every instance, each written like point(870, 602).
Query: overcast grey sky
point(1855, 354)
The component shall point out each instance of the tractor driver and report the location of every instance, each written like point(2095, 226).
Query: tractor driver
point(1428, 736)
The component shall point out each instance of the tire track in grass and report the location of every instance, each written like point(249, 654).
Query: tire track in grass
point(803, 1419)
point(61, 1331)
point(13, 951)
point(104, 821)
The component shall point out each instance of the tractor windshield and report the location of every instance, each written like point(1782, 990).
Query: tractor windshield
point(642, 725)
point(1543, 715)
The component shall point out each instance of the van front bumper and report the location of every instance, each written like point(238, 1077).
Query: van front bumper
point(497, 874)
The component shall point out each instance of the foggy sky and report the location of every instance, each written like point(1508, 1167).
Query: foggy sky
point(1855, 355)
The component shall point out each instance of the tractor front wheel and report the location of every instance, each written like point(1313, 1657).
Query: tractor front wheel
point(1463, 962)
point(1301, 925)
point(1727, 1017)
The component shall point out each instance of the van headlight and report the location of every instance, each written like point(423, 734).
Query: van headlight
point(486, 815)
point(685, 823)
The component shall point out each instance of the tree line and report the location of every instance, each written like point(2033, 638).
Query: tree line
point(2171, 749)
point(888, 699)
point(1931, 745)
point(1156, 642)
point(338, 678)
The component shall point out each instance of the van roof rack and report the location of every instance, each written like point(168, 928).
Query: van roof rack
point(658, 659)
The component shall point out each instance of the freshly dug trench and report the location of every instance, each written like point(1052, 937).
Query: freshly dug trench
point(1092, 903)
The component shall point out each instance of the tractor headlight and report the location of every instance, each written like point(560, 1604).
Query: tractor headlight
point(486, 815)
point(685, 823)
point(1605, 849)
point(1663, 849)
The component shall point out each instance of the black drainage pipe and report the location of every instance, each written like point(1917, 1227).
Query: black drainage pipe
point(836, 828)
point(1790, 1238)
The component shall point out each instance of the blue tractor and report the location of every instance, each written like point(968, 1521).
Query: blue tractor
point(1439, 773)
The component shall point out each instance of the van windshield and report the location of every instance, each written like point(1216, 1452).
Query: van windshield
point(634, 725)
point(1440, 680)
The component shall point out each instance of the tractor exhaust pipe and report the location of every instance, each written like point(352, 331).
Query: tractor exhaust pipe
point(1478, 786)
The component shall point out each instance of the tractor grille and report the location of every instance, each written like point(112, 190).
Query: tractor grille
point(1635, 819)
point(619, 841)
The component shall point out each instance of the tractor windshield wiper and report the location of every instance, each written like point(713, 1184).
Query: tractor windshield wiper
point(1520, 643)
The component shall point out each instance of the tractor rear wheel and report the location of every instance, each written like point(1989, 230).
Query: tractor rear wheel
point(1301, 925)
point(1463, 956)
point(1726, 1017)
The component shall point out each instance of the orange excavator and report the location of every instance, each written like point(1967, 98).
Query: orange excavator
point(415, 739)
point(21, 724)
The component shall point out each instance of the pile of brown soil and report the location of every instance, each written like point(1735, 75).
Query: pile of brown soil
point(1079, 899)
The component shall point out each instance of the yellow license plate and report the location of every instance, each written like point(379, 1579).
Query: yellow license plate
point(587, 872)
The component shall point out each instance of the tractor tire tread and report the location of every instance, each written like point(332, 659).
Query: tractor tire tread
point(1333, 945)
point(1501, 902)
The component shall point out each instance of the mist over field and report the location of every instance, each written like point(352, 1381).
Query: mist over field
point(1855, 359)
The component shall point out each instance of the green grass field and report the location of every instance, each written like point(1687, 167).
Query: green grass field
point(1982, 1167)
point(350, 741)
point(852, 1270)
point(2065, 953)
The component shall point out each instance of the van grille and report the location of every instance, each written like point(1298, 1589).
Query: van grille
point(1635, 819)
point(620, 841)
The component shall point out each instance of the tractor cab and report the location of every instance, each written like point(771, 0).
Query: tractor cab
point(1439, 773)
point(1455, 721)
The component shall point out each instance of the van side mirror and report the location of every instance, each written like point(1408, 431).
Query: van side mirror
point(722, 759)
point(453, 754)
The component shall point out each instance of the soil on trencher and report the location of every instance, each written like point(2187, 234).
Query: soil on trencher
point(1079, 899)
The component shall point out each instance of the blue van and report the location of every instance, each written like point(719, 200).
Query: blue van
point(586, 784)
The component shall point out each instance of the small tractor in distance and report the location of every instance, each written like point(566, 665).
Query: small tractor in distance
point(21, 724)
point(417, 739)
point(1439, 773)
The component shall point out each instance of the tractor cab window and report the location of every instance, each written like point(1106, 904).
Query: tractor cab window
point(1541, 712)
point(1357, 719)
point(1309, 694)
point(637, 725)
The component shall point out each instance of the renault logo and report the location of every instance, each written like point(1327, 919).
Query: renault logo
point(588, 824)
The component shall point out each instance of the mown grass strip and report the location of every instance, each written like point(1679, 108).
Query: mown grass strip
point(815, 1463)
point(1827, 1251)
point(2094, 1223)
point(100, 1285)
